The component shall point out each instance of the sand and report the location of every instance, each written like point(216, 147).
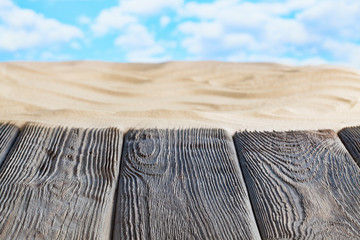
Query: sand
point(233, 96)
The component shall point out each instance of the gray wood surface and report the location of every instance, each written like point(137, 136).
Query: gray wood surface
point(351, 138)
point(302, 184)
point(8, 134)
point(59, 183)
point(182, 184)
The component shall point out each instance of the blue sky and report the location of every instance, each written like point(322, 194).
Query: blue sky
point(284, 31)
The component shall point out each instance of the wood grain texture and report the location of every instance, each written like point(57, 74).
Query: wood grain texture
point(351, 138)
point(182, 184)
point(59, 183)
point(8, 134)
point(302, 184)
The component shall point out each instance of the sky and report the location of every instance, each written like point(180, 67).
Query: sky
point(294, 32)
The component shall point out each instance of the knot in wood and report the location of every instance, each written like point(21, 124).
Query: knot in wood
point(145, 151)
point(146, 148)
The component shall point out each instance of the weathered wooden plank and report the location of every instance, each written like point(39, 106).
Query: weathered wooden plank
point(8, 134)
point(302, 184)
point(351, 138)
point(59, 183)
point(182, 184)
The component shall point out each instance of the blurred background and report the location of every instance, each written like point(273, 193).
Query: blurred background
point(282, 31)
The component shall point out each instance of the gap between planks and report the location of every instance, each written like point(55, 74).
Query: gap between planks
point(8, 136)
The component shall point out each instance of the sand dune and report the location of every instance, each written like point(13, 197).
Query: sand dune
point(232, 96)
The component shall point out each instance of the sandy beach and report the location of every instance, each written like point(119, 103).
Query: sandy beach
point(232, 96)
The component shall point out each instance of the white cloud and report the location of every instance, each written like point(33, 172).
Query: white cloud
point(203, 38)
point(140, 45)
point(75, 45)
point(285, 31)
point(135, 36)
point(241, 57)
point(50, 56)
point(112, 18)
point(150, 54)
point(312, 61)
point(83, 20)
point(337, 18)
point(238, 40)
point(164, 21)
point(128, 12)
point(144, 7)
point(235, 12)
point(344, 52)
point(204, 29)
point(227, 26)
point(23, 29)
